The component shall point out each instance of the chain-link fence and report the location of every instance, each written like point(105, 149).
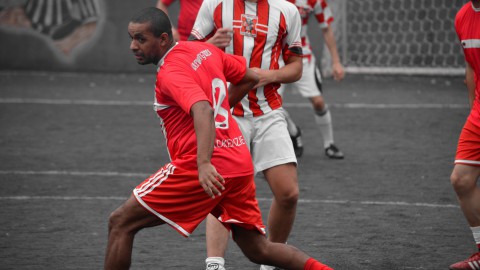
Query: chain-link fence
point(397, 36)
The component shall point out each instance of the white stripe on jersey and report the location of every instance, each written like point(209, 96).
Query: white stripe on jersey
point(471, 43)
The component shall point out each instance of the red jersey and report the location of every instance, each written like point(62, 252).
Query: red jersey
point(467, 25)
point(192, 72)
point(317, 8)
point(262, 32)
point(186, 17)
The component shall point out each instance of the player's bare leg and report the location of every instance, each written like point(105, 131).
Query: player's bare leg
point(259, 250)
point(323, 119)
point(464, 181)
point(284, 185)
point(217, 241)
point(124, 223)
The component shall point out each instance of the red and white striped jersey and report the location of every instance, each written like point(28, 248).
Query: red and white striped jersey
point(262, 32)
point(467, 25)
point(321, 11)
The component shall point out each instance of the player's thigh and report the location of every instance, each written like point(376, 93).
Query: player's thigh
point(133, 216)
point(283, 180)
point(465, 175)
point(251, 242)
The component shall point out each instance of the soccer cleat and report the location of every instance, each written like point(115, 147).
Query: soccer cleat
point(214, 266)
point(297, 143)
point(333, 152)
point(473, 262)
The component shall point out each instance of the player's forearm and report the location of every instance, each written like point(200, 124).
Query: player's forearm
point(329, 39)
point(237, 91)
point(291, 72)
point(204, 125)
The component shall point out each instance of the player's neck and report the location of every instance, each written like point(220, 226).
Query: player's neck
point(476, 3)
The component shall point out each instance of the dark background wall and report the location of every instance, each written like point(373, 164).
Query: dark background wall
point(98, 43)
point(91, 35)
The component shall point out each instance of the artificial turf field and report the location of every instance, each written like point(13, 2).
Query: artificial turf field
point(73, 146)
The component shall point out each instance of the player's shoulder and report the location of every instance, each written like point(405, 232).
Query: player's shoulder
point(213, 3)
point(288, 9)
point(467, 7)
point(192, 53)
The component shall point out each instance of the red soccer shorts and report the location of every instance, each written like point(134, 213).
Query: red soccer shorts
point(468, 149)
point(175, 196)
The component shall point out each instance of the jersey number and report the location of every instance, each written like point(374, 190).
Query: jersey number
point(219, 93)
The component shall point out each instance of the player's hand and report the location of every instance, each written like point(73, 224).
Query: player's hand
point(338, 71)
point(265, 77)
point(211, 181)
point(222, 38)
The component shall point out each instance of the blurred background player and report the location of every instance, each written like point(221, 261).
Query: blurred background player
point(310, 85)
point(466, 171)
point(186, 17)
point(261, 31)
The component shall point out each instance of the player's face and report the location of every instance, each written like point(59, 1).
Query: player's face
point(144, 44)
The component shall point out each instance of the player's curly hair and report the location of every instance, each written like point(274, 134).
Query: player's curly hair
point(159, 21)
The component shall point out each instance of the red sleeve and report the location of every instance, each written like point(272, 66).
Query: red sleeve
point(234, 67)
point(182, 88)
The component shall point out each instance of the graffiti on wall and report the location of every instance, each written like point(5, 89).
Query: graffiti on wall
point(65, 24)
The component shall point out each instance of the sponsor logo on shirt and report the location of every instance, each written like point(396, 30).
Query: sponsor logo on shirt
point(249, 25)
point(235, 142)
point(200, 57)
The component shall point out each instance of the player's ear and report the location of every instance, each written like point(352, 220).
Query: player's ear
point(165, 39)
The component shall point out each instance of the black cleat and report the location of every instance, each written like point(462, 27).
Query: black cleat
point(297, 143)
point(333, 152)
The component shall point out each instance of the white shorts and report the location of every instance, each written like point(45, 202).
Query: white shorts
point(267, 139)
point(310, 85)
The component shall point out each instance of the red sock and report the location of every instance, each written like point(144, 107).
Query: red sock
point(313, 264)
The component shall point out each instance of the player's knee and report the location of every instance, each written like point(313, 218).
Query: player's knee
point(116, 220)
point(462, 183)
point(318, 103)
point(288, 198)
point(258, 254)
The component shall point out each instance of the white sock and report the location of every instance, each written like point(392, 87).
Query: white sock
point(267, 267)
point(476, 234)
point(219, 260)
point(324, 122)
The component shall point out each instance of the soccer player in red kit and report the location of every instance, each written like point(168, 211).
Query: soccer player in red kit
point(267, 34)
point(210, 170)
point(466, 171)
point(186, 17)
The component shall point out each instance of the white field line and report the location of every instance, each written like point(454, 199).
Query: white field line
point(90, 198)
point(286, 105)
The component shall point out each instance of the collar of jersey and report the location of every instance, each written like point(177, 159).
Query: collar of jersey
point(474, 8)
point(160, 63)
